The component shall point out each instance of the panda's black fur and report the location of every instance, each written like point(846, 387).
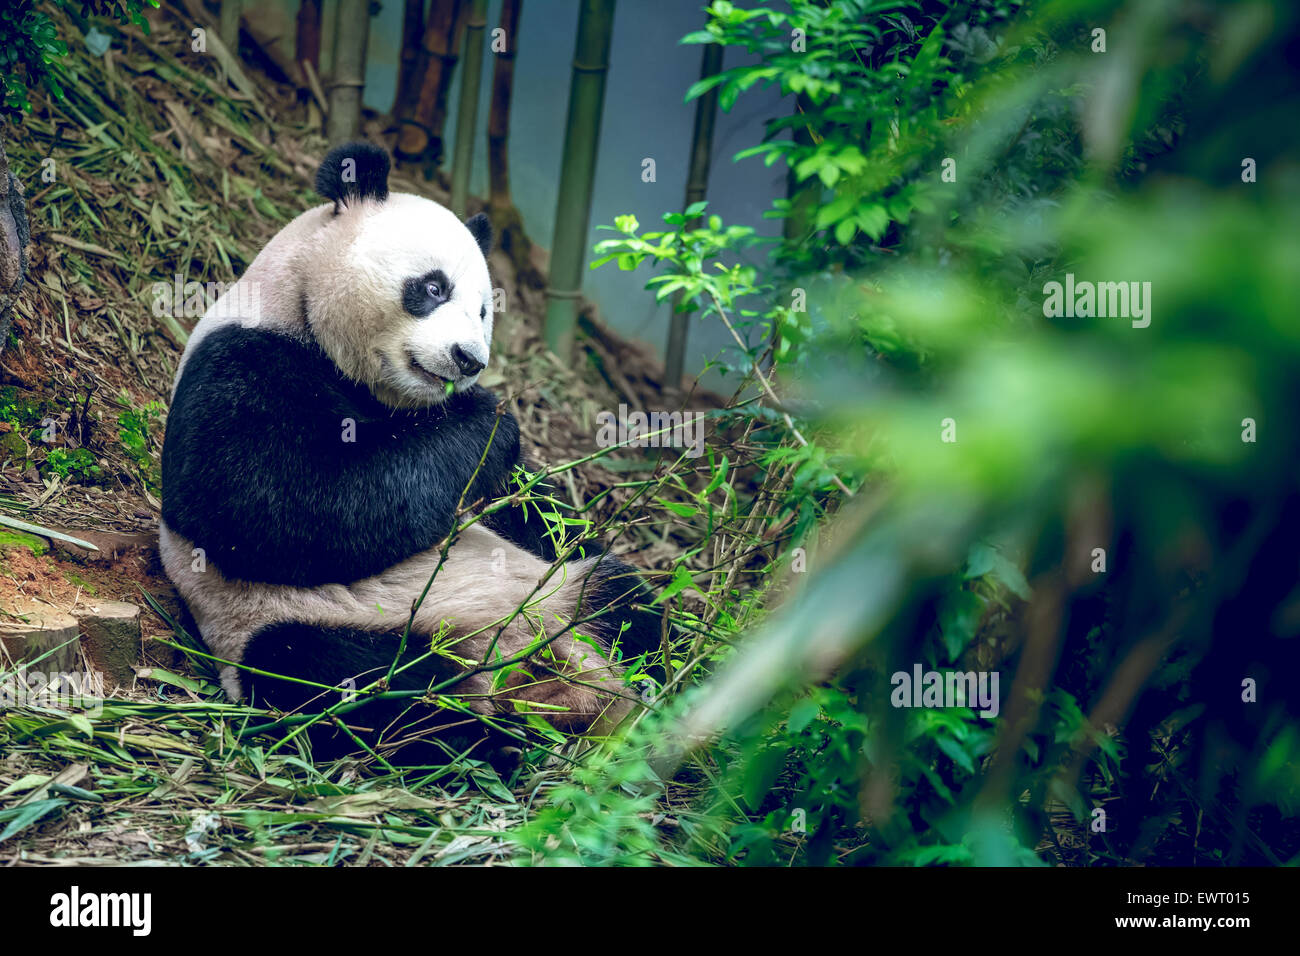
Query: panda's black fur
point(480, 228)
point(257, 472)
point(256, 467)
point(353, 171)
point(334, 655)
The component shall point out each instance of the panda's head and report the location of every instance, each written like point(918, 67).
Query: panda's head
point(396, 287)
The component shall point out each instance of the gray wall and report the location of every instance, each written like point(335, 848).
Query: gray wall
point(645, 116)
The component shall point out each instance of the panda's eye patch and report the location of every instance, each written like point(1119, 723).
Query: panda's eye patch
point(422, 294)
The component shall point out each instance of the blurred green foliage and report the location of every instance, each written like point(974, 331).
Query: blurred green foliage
point(1104, 514)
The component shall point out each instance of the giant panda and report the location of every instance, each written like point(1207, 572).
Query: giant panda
point(317, 447)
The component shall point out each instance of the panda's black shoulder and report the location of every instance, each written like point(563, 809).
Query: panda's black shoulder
point(239, 385)
point(483, 419)
point(258, 371)
point(260, 350)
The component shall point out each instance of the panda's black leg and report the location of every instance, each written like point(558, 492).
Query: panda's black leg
point(522, 523)
point(523, 526)
point(616, 592)
point(351, 659)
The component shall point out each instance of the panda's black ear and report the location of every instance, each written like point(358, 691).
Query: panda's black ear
point(353, 171)
point(481, 229)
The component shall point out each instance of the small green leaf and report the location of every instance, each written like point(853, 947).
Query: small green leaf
point(703, 86)
point(681, 581)
point(20, 818)
point(802, 714)
point(719, 477)
point(959, 616)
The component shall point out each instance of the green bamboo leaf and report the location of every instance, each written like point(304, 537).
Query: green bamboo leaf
point(45, 532)
point(20, 818)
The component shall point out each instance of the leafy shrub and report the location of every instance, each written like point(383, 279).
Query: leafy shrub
point(77, 464)
point(134, 431)
point(30, 48)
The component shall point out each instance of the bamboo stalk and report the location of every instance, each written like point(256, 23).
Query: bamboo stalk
point(467, 111)
point(697, 184)
point(308, 35)
point(344, 120)
point(573, 205)
point(412, 35)
point(803, 196)
point(499, 110)
point(17, 525)
point(422, 118)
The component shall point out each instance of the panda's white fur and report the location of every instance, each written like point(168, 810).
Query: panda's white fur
point(334, 276)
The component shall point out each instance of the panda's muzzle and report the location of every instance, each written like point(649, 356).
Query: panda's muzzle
point(467, 366)
point(467, 363)
point(423, 371)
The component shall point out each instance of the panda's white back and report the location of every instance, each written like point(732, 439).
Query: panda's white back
point(269, 283)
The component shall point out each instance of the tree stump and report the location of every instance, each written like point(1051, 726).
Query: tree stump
point(43, 631)
point(111, 631)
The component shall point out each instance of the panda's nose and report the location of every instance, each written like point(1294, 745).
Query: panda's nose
point(467, 363)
